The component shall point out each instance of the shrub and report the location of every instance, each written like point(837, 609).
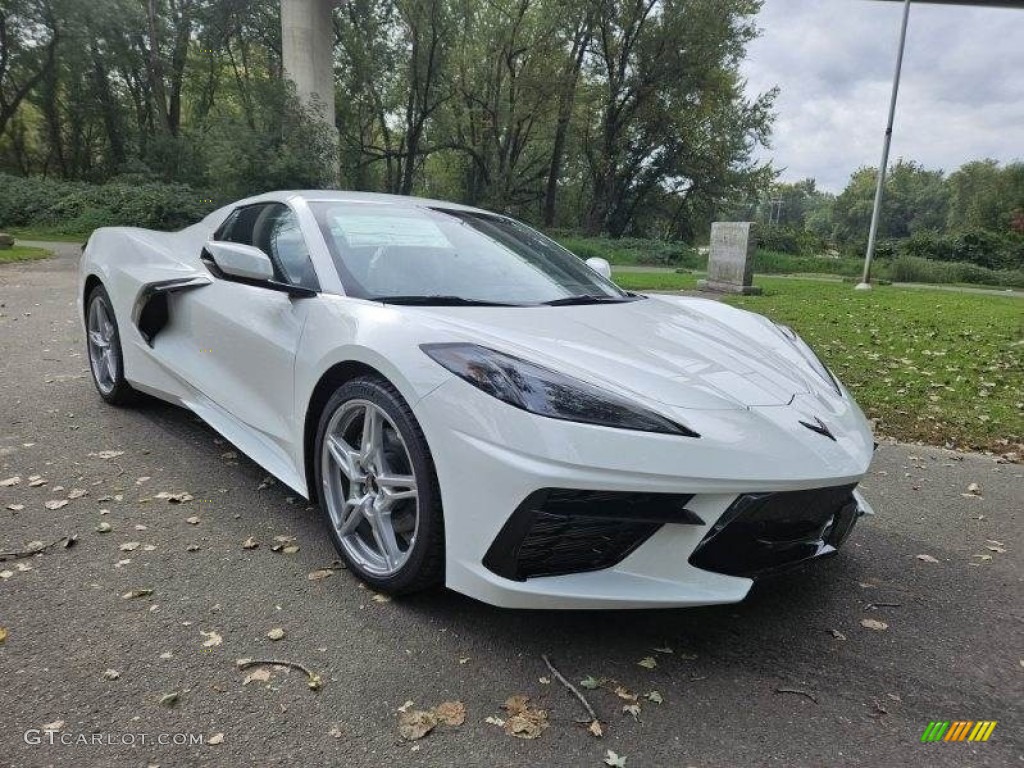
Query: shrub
point(912, 269)
point(633, 251)
point(75, 207)
point(789, 240)
point(772, 262)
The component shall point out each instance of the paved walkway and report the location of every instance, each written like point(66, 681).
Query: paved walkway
point(790, 677)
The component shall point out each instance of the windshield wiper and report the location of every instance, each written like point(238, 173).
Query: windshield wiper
point(586, 298)
point(439, 301)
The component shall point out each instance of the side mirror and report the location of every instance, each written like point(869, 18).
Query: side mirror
point(601, 266)
point(239, 260)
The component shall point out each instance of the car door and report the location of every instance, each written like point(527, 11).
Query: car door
point(237, 341)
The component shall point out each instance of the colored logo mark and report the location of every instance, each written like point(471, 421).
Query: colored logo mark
point(958, 730)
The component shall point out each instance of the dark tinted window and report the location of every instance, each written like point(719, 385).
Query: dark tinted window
point(274, 229)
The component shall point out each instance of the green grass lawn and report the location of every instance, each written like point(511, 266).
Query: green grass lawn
point(22, 253)
point(52, 235)
point(937, 366)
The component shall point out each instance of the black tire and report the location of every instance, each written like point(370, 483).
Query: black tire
point(424, 567)
point(120, 392)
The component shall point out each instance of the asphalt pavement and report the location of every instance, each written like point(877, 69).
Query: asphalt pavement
point(790, 677)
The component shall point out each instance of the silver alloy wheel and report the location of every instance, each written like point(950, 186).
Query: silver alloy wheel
point(369, 487)
point(103, 352)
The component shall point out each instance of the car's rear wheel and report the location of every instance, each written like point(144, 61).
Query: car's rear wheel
point(378, 488)
point(103, 342)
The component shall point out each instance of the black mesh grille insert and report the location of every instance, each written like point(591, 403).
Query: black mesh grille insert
point(559, 531)
point(762, 532)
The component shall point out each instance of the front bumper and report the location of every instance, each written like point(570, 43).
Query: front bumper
point(493, 460)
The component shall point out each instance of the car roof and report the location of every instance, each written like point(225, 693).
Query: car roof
point(343, 196)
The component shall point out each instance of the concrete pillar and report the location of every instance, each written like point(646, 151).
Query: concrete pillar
point(307, 47)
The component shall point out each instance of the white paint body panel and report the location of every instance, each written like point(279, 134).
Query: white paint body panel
point(247, 360)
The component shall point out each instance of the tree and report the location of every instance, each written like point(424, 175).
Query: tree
point(915, 201)
point(28, 46)
point(671, 115)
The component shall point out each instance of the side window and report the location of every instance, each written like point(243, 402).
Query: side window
point(274, 229)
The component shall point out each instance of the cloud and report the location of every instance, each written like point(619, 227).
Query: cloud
point(961, 94)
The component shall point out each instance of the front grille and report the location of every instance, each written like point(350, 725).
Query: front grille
point(560, 531)
point(762, 532)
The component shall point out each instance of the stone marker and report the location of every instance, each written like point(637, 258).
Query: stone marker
point(6, 241)
point(731, 260)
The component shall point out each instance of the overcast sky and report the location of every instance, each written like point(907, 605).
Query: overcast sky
point(961, 94)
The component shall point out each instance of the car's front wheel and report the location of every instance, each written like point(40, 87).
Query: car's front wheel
point(378, 488)
point(103, 342)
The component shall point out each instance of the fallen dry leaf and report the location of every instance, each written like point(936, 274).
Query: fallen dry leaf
point(15, 507)
point(137, 593)
point(320, 574)
point(217, 738)
point(664, 649)
point(590, 683)
point(625, 694)
point(654, 696)
point(595, 729)
point(648, 662)
point(77, 493)
point(874, 624)
point(108, 454)
point(379, 598)
point(614, 760)
point(3, 635)
point(212, 638)
point(174, 498)
point(524, 721)
point(250, 543)
point(927, 559)
point(335, 732)
point(169, 699)
point(277, 633)
point(129, 546)
point(632, 709)
point(194, 520)
point(450, 713)
point(415, 724)
point(111, 674)
point(8, 482)
point(258, 675)
point(996, 549)
point(35, 483)
point(56, 503)
point(492, 720)
point(837, 634)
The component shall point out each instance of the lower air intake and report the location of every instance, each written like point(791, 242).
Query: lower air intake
point(762, 532)
point(558, 531)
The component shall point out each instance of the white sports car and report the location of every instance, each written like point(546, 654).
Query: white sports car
point(472, 404)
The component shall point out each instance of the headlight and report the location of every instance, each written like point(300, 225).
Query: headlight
point(546, 392)
point(810, 356)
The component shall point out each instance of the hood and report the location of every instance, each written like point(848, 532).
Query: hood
point(687, 353)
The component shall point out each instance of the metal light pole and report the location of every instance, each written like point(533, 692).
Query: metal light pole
point(865, 284)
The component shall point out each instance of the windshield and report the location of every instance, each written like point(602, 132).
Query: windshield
point(414, 254)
